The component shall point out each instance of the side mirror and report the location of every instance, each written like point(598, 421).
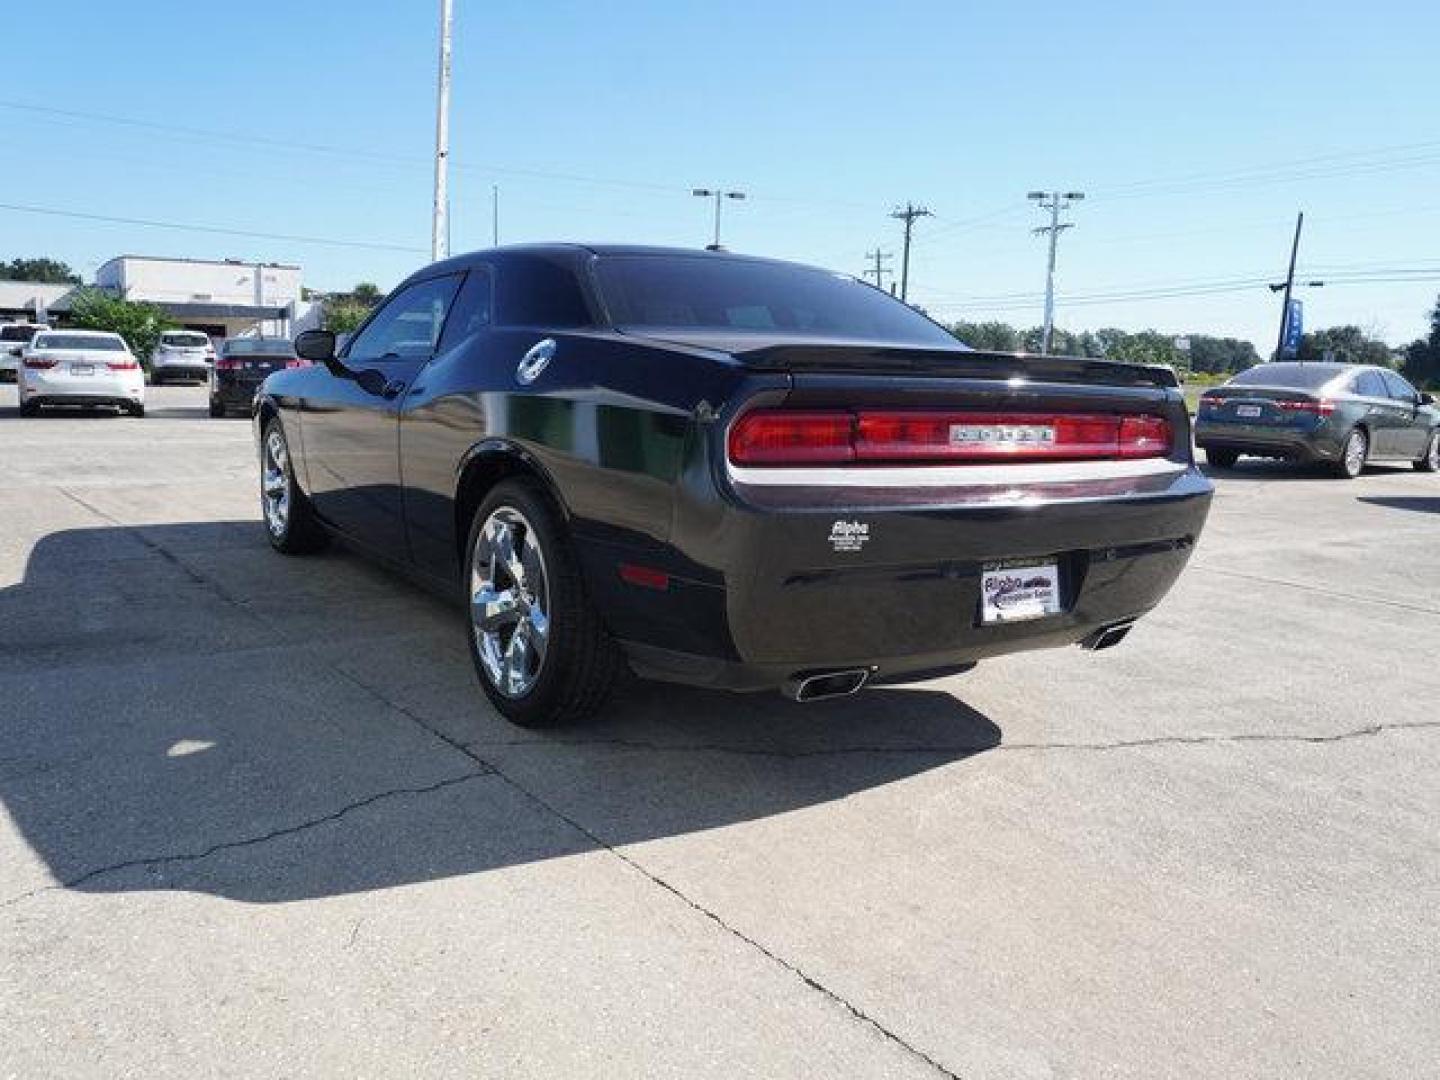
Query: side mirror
point(1427, 399)
point(316, 345)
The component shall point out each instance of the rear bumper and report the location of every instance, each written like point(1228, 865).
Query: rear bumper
point(762, 591)
point(235, 395)
point(180, 371)
point(1316, 444)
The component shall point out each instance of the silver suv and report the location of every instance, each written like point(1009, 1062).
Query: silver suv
point(182, 354)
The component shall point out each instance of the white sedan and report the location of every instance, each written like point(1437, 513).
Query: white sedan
point(79, 367)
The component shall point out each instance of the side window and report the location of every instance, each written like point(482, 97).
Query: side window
point(531, 290)
point(474, 308)
point(408, 326)
point(1400, 390)
point(1369, 384)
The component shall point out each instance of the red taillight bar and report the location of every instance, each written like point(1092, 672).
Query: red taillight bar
point(122, 365)
point(1323, 407)
point(781, 437)
point(38, 363)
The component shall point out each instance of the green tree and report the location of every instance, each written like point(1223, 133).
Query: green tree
point(366, 293)
point(139, 324)
point(1345, 345)
point(1422, 357)
point(344, 314)
point(988, 336)
point(46, 271)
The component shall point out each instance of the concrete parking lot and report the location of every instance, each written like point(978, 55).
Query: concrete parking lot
point(256, 819)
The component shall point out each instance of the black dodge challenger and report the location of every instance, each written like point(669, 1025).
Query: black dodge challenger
point(726, 471)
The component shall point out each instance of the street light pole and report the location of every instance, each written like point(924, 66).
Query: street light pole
point(440, 223)
point(717, 194)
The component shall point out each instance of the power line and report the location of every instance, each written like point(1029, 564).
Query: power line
point(50, 211)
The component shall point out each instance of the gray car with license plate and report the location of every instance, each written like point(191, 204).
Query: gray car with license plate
point(1343, 415)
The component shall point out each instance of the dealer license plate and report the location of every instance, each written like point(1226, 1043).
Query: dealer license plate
point(82, 369)
point(1012, 592)
point(1247, 410)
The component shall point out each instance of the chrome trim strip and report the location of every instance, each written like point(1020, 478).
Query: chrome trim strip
point(1018, 475)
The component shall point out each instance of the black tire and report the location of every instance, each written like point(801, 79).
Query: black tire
point(295, 530)
point(217, 410)
point(1221, 459)
point(580, 662)
point(29, 409)
point(156, 379)
point(1353, 453)
point(1430, 460)
point(134, 408)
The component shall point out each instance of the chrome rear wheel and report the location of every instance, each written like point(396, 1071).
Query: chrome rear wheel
point(509, 602)
point(275, 482)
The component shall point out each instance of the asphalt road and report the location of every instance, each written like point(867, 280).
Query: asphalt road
point(256, 820)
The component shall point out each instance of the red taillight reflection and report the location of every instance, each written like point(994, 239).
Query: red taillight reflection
point(297, 363)
point(777, 437)
point(122, 365)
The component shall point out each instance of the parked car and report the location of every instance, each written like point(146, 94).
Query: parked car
point(242, 366)
point(181, 354)
point(80, 368)
point(13, 338)
point(1340, 414)
point(727, 471)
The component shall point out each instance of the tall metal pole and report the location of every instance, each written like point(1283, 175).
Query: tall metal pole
point(440, 225)
point(908, 215)
point(718, 197)
point(1289, 286)
point(1050, 275)
point(495, 215)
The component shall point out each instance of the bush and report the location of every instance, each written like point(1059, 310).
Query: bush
point(139, 324)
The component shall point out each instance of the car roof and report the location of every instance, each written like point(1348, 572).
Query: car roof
point(573, 252)
point(80, 333)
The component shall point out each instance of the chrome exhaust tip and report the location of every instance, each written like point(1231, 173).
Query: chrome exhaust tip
point(1107, 636)
point(826, 684)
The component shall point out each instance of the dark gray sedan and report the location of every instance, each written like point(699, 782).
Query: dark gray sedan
point(1340, 414)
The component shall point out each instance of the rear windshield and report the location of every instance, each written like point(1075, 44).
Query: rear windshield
point(1300, 376)
point(79, 341)
point(704, 292)
point(258, 347)
point(18, 333)
point(188, 341)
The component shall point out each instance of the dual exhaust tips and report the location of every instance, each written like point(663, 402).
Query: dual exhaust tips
point(847, 681)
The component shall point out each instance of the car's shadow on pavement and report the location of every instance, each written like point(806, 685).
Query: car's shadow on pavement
point(184, 709)
point(1269, 469)
point(1418, 504)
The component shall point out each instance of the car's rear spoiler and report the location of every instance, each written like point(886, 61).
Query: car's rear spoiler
point(954, 363)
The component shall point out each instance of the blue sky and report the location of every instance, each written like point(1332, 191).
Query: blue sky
point(1196, 130)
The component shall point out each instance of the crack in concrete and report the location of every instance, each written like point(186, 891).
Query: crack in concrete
point(965, 749)
point(810, 981)
point(249, 841)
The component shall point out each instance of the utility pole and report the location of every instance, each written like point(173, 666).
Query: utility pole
point(879, 270)
point(717, 194)
point(495, 215)
point(1289, 288)
point(1054, 201)
point(908, 215)
point(440, 225)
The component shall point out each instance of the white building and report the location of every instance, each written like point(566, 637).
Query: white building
point(29, 301)
point(228, 298)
